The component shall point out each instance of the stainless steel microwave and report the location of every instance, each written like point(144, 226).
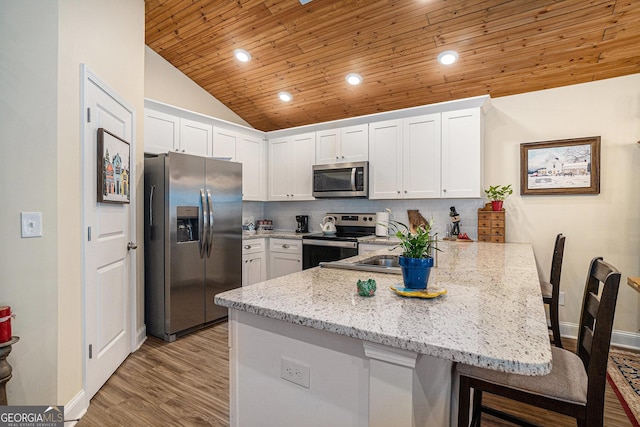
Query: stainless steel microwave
point(341, 180)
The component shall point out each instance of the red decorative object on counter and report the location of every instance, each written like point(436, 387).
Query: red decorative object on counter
point(5, 323)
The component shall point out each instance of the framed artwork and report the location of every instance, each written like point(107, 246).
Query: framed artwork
point(568, 166)
point(113, 168)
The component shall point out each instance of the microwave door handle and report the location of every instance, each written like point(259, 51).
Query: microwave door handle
point(353, 179)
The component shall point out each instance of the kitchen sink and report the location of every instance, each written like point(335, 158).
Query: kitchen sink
point(381, 260)
point(375, 264)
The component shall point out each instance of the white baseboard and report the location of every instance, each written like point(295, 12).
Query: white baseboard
point(141, 337)
point(75, 409)
point(622, 339)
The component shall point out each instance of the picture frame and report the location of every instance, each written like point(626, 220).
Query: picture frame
point(567, 166)
point(113, 180)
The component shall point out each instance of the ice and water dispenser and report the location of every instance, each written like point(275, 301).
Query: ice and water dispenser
point(188, 224)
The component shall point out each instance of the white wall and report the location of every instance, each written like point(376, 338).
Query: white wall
point(28, 168)
point(165, 83)
point(595, 225)
point(115, 53)
point(42, 44)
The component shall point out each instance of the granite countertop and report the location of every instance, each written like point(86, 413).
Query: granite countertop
point(279, 234)
point(492, 315)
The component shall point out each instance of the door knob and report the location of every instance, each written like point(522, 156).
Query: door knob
point(132, 245)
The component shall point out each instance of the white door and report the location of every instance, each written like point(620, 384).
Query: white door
point(462, 153)
point(108, 275)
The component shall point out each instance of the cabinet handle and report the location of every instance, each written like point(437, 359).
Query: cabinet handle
point(183, 150)
point(405, 191)
point(342, 157)
point(444, 190)
point(177, 149)
point(337, 158)
point(285, 246)
point(398, 191)
point(247, 247)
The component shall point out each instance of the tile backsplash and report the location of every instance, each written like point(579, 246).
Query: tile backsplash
point(284, 214)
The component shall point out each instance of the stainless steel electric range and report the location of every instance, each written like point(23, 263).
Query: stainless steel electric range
point(350, 229)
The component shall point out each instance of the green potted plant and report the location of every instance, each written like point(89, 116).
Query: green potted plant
point(416, 260)
point(497, 195)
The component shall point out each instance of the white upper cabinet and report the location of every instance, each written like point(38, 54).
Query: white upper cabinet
point(385, 159)
point(224, 143)
point(161, 132)
point(430, 156)
point(195, 137)
point(421, 157)
point(290, 164)
point(404, 158)
point(251, 152)
point(342, 145)
point(462, 139)
point(165, 132)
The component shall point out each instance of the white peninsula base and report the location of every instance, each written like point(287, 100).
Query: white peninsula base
point(351, 382)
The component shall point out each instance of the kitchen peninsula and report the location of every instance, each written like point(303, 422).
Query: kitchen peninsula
point(385, 360)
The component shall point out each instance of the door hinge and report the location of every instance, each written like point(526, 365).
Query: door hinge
point(88, 115)
point(90, 351)
point(88, 234)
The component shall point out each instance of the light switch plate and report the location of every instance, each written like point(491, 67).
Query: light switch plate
point(31, 224)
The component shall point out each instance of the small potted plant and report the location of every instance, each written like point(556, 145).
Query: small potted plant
point(497, 195)
point(416, 260)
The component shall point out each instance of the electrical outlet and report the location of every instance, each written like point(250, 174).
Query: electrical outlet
point(294, 371)
point(561, 298)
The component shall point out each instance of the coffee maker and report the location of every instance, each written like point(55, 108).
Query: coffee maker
point(303, 223)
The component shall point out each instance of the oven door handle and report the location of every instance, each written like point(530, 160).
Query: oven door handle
point(331, 243)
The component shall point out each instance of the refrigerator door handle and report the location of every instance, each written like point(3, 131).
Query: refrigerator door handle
point(203, 224)
point(210, 237)
point(152, 189)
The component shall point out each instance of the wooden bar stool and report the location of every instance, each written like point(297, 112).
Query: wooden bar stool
point(551, 289)
point(576, 384)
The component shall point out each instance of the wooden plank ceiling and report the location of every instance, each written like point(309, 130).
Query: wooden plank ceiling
point(505, 48)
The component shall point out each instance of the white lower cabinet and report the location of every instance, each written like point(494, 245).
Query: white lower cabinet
point(285, 257)
point(254, 261)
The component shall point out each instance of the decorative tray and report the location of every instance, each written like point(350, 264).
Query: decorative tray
point(399, 289)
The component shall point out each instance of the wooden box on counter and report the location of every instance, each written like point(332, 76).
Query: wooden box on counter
point(491, 225)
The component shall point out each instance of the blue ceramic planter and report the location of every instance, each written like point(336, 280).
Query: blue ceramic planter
point(415, 271)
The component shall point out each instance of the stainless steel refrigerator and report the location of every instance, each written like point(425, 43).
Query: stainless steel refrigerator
point(193, 240)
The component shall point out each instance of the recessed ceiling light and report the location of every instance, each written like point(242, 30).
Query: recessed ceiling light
point(242, 55)
point(285, 96)
point(448, 57)
point(354, 78)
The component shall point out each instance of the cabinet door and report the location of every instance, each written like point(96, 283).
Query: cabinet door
point(254, 269)
point(301, 178)
point(161, 132)
point(385, 159)
point(250, 151)
point(354, 143)
point(281, 264)
point(327, 145)
point(421, 157)
point(224, 143)
point(461, 153)
point(195, 137)
point(279, 169)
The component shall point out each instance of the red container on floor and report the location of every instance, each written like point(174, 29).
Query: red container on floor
point(5, 323)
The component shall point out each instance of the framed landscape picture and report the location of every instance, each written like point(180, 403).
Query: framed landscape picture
point(568, 166)
point(113, 168)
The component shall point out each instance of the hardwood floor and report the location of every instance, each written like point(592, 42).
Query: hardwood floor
point(186, 383)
